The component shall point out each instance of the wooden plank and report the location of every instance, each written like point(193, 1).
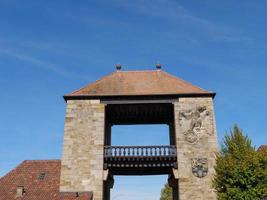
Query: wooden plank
point(141, 101)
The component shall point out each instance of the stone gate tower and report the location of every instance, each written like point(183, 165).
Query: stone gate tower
point(139, 97)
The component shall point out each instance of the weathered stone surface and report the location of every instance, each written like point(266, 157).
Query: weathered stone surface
point(195, 116)
point(82, 159)
point(195, 136)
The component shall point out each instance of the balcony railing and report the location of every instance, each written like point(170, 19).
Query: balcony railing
point(139, 151)
point(140, 156)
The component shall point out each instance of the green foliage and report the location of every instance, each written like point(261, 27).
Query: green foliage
point(241, 171)
point(166, 193)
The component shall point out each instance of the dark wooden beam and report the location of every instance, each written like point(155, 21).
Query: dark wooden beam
point(150, 113)
point(127, 97)
point(136, 101)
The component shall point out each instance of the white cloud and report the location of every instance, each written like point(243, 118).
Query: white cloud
point(174, 12)
point(40, 63)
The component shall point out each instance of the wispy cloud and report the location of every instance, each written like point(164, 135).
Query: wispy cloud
point(40, 63)
point(174, 12)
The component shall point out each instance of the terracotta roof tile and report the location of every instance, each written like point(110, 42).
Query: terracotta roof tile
point(26, 174)
point(125, 83)
point(262, 148)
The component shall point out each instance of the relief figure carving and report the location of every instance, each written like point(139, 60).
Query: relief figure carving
point(195, 118)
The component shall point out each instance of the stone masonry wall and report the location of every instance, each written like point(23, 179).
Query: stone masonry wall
point(82, 159)
point(196, 141)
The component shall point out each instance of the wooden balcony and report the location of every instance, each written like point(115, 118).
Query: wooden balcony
point(140, 160)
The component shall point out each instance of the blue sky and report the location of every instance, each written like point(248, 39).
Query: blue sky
point(49, 48)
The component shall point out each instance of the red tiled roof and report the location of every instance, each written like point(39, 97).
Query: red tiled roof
point(126, 83)
point(262, 148)
point(26, 174)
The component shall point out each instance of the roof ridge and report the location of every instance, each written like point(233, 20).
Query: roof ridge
point(148, 70)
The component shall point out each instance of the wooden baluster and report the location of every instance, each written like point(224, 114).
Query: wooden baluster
point(119, 151)
point(173, 151)
point(115, 152)
point(105, 151)
point(108, 151)
point(123, 151)
point(131, 152)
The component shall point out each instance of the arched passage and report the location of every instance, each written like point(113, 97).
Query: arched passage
point(139, 140)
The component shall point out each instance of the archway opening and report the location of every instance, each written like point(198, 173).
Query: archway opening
point(140, 150)
point(140, 135)
point(138, 187)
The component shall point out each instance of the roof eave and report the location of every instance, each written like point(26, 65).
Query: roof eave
point(105, 96)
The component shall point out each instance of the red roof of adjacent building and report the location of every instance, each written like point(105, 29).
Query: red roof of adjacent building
point(136, 83)
point(262, 148)
point(27, 174)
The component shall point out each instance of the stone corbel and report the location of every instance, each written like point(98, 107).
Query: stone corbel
point(175, 173)
point(105, 175)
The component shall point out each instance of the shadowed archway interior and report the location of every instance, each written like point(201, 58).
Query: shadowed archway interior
point(139, 140)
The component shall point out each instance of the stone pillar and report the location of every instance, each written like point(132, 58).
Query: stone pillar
point(196, 142)
point(82, 159)
point(108, 184)
point(173, 183)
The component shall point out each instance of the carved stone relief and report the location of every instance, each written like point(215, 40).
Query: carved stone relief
point(200, 167)
point(193, 123)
